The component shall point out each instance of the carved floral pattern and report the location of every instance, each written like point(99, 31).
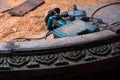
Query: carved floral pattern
point(18, 61)
point(74, 55)
point(1, 60)
point(117, 44)
point(46, 59)
point(101, 50)
point(59, 59)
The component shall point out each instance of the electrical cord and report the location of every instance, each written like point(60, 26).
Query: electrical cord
point(48, 34)
point(92, 16)
point(29, 39)
point(116, 23)
point(99, 22)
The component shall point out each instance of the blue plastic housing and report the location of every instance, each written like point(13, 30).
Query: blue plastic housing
point(77, 27)
point(51, 26)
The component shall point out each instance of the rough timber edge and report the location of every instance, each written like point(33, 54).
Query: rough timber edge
point(7, 48)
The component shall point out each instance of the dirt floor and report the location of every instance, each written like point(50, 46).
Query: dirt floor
point(32, 24)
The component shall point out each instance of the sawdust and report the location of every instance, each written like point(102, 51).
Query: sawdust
point(32, 24)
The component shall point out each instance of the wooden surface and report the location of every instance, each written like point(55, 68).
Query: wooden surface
point(3, 6)
point(101, 57)
point(85, 61)
point(115, 28)
point(25, 7)
point(42, 45)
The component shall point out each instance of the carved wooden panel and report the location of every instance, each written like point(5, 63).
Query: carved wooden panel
point(44, 61)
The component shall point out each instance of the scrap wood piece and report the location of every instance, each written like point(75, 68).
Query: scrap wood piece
point(25, 7)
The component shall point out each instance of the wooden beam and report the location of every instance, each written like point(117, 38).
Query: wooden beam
point(25, 7)
point(61, 43)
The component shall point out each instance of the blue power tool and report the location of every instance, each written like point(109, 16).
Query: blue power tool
point(54, 20)
point(75, 24)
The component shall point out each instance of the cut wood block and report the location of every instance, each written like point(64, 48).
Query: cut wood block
point(25, 7)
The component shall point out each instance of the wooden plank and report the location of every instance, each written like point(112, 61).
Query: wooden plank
point(5, 48)
point(25, 7)
point(3, 6)
point(64, 42)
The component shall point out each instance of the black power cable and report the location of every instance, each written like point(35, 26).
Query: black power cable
point(92, 16)
point(99, 22)
point(29, 39)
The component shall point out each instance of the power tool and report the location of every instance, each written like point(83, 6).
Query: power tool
point(75, 24)
point(53, 20)
point(75, 14)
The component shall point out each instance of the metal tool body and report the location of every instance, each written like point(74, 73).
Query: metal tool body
point(75, 14)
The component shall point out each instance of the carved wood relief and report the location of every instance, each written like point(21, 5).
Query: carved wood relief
point(59, 59)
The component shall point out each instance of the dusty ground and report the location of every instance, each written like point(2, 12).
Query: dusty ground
point(32, 24)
